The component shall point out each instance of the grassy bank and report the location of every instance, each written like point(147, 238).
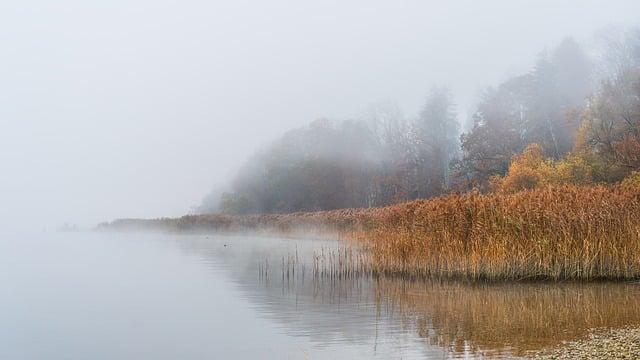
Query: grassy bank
point(556, 232)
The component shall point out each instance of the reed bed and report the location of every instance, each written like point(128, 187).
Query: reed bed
point(556, 233)
point(565, 232)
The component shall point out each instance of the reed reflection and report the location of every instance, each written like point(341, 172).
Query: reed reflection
point(326, 291)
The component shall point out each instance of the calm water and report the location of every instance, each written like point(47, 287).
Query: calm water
point(150, 296)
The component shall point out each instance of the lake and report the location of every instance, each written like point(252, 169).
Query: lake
point(91, 295)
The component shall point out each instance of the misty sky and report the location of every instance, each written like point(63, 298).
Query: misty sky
point(138, 108)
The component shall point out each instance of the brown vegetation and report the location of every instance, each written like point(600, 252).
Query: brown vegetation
point(563, 232)
point(551, 232)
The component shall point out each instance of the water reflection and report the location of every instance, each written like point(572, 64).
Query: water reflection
point(282, 279)
point(519, 318)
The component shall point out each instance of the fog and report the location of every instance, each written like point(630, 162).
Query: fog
point(138, 108)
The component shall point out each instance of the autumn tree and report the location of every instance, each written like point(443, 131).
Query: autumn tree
point(497, 135)
point(537, 107)
point(610, 130)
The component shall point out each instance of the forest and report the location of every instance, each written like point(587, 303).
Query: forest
point(574, 118)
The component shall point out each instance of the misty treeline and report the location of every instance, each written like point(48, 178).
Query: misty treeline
point(574, 117)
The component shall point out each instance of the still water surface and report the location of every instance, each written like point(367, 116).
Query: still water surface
point(151, 296)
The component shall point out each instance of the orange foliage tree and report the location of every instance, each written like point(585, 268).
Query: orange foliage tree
point(531, 170)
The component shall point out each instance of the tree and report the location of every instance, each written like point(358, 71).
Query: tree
point(558, 83)
point(322, 166)
point(538, 107)
point(611, 125)
point(436, 141)
point(609, 135)
point(497, 135)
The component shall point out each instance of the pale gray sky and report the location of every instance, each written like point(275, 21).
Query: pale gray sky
point(137, 108)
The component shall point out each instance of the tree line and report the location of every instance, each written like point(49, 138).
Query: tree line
point(572, 118)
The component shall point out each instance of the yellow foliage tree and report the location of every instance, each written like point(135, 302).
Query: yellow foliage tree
point(531, 170)
point(527, 171)
point(602, 168)
point(573, 169)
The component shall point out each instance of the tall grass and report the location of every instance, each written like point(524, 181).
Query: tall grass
point(565, 232)
point(556, 232)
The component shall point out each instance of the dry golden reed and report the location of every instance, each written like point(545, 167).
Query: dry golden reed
point(555, 232)
point(563, 232)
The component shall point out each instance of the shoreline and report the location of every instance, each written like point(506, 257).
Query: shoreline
point(604, 344)
point(556, 233)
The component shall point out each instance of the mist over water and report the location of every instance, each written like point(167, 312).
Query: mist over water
point(138, 109)
point(132, 296)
